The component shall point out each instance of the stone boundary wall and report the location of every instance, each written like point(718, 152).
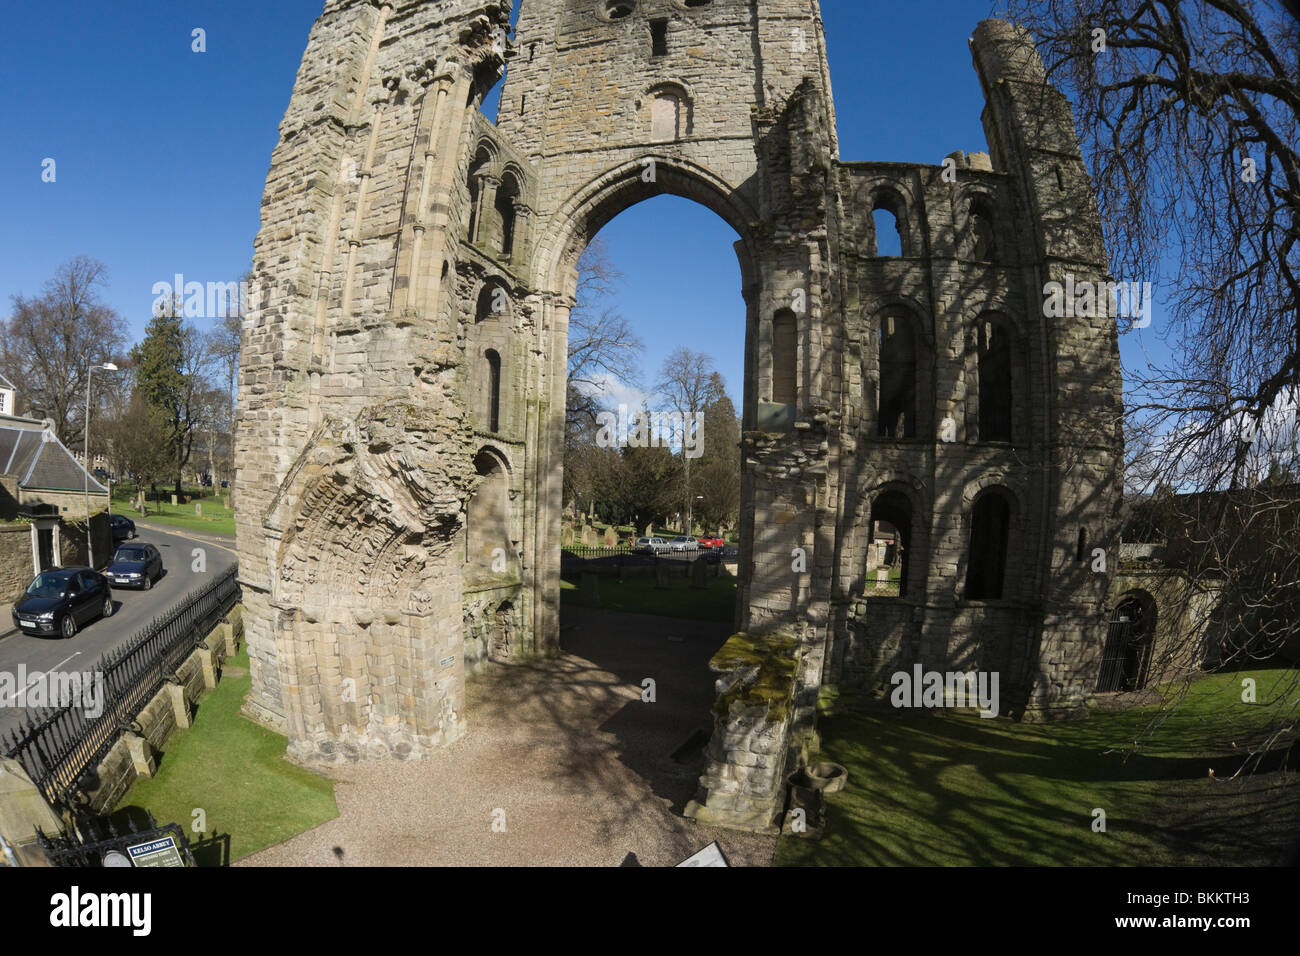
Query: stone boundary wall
point(22, 806)
point(15, 563)
point(743, 784)
point(171, 709)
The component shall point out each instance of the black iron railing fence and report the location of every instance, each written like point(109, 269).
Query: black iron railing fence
point(56, 746)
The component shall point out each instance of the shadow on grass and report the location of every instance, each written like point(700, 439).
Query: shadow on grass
point(930, 788)
point(231, 774)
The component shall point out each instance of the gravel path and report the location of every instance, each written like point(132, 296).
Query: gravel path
point(582, 768)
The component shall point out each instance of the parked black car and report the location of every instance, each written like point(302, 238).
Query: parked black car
point(135, 566)
point(63, 599)
point(123, 527)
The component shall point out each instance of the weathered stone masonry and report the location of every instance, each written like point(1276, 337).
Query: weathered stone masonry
point(402, 389)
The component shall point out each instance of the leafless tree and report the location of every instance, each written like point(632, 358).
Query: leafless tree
point(601, 346)
point(1189, 113)
point(223, 342)
point(688, 382)
point(49, 342)
point(601, 342)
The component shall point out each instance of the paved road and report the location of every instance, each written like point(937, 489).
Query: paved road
point(134, 610)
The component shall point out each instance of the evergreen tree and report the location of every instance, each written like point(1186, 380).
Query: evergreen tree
point(167, 377)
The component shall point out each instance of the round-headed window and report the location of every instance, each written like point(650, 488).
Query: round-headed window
point(617, 9)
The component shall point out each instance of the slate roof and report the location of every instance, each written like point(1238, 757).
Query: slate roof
point(30, 451)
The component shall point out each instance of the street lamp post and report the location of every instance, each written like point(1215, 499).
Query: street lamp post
point(85, 457)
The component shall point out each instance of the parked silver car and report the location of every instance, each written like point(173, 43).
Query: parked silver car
point(684, 543)
point(651, 546)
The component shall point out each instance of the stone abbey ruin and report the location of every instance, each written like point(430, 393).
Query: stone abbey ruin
point(403, 373)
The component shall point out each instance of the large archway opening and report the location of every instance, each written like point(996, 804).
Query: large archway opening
point(652, 439)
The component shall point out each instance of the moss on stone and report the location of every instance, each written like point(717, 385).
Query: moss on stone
point(776, 657)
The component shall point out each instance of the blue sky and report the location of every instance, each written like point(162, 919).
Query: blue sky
point(162, 153)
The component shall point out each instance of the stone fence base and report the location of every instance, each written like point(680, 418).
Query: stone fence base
point(22, 807)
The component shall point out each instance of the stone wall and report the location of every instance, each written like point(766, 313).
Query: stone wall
point(15, 564)
point(1184, 637)
point(103, 787)
point(72, 541)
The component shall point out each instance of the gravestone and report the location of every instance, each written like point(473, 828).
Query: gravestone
point(589, 539)
point(663, 574)
point(699, 573)
point(611, 537)
point(589, 588)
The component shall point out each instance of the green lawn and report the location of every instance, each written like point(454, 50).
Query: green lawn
point(235, 771)
point(640, 596)
point(216, 519)
point(933, 788)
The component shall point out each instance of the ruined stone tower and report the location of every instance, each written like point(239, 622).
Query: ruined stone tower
point(403, 375)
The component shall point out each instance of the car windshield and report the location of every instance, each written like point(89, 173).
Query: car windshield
point(129, 554)
point(48, 586)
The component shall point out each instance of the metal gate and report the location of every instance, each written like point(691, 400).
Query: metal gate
point(1114, 676)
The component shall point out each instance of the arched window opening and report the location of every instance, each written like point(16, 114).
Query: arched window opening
point(507, 196)
point(493, 390)
point(785, 350)
point(888, 225)
point(889, 545)
point(499, 639)
point(618, 9)
point(667, 111)
point(995, 383)
point(1081, 549)
point(986, 564)
point(487, 517)
point(983, 243)
point(1126, 657)
point(493, 301)
point(478, 168)
point(889, 240)
point(897, 389)
point(475, 187)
